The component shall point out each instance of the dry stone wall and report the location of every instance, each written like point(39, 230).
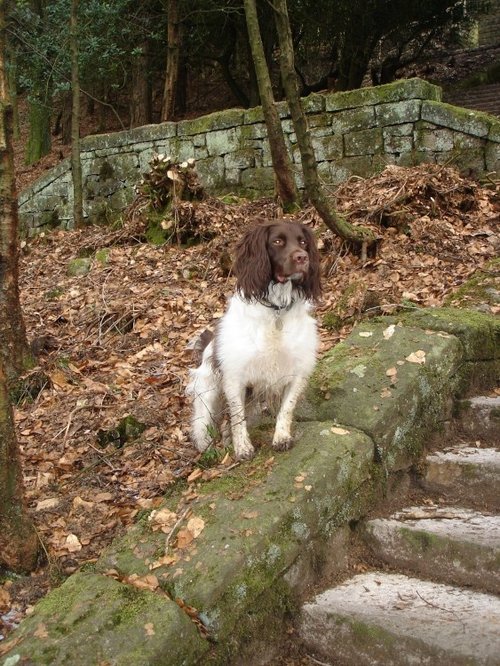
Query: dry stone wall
point(354, 133)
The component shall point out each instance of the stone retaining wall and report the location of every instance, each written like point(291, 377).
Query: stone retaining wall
point(354, 133)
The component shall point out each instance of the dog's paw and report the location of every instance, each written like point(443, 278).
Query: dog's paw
point(283, 443)
point(244, 451)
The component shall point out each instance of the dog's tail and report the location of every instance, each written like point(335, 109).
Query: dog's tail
point(198, 344)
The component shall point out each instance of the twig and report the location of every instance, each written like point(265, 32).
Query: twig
point(317, 661)
point(171, 533)
point(429, 603)
point(104, 460)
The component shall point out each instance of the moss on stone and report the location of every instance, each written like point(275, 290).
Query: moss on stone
point(482, 288)
point(95, 619)
point(390, 92)
point(454, 117)
point(421, 540)
point(79, 266)
point(478, 332)
point(50, 219)
point(102, 256)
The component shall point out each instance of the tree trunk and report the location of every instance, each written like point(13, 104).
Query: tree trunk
point(18, 539)
point(174, 37)
point(39, 142)
point(358, 237)
point(76, 164)
point(285, 183)
point(12, 83)
point(182, 84)
point(15, 354)
point(65, 119)
point(253, 86)
point(225, 60)
point(140, 96)
point(354, 61)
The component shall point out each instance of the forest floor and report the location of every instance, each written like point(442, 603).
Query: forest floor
point(114, 342)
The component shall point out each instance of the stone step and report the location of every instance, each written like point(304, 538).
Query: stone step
point(467, 471)
point(454, 545)
point(392, 620)
point(485, 98)
point(479, 418)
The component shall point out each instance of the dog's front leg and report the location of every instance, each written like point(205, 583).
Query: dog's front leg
point(235, 396)
point(282, 439)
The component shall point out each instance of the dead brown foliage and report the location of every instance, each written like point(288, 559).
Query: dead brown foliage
point(118, 335)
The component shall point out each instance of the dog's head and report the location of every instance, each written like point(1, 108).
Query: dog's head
point(277, 252)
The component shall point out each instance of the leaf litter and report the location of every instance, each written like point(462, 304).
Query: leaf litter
point(114, 343)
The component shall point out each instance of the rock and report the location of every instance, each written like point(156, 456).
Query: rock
point(79, 266)
point(112, 623)
point(456, 545)
point(390, 619)
point(474, 469)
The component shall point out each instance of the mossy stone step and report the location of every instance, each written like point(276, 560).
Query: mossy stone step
point(468, 469)
point(455, 545)
point(93, 619)
point(479, 418)
point(390, 619)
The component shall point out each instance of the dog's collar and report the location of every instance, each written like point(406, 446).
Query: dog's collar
point(280, 297)
point(277, 308)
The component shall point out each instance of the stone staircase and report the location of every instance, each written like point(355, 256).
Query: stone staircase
point(479, 98)
point(429, 592)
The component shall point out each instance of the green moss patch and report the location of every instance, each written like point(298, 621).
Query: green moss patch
point(94, 619)
point(366, 382)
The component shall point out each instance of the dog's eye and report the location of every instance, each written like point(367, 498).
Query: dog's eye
point(303, 242)
point(278, 241)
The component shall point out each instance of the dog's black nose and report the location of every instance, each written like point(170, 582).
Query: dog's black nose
point(300, 257)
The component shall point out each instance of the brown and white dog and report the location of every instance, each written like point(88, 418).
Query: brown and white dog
point(265, 344)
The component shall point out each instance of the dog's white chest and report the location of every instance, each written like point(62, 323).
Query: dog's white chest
point(267, 347)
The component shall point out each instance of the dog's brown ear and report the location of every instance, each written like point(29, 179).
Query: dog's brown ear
point(312, 284)
point(253, 266)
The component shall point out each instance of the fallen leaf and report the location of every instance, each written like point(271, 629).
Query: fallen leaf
point(103, 497)
point(184, 537)
point(195, 474)
point(72, 543)
point(41, 631)
point(196, 526)
point(162, 517)
point(365, 334)
point(150, 629)
point(389, 332)
point(59, 379)
point(164, 561)
point(79, 503)
point(391, 372)
point(4, 599)
point(226, 460)
point(49, 503)
point(147, 582)
point(416, 357)
point(249, 515)
point(339, 431)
